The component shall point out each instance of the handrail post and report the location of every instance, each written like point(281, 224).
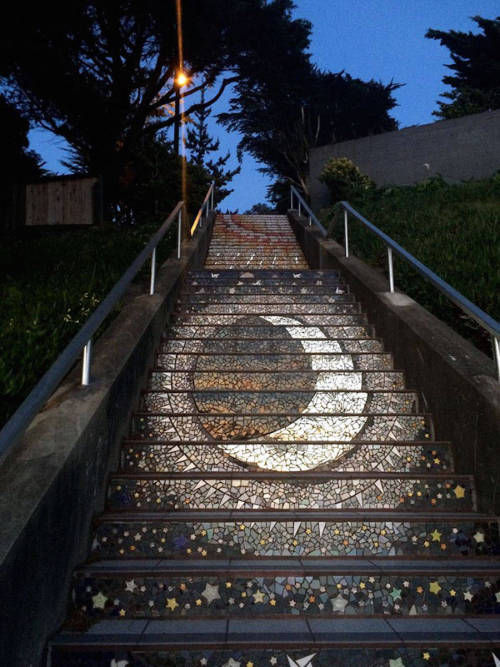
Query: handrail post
point(291, 198)
point(212, 199)
point(346, 233)
point(391, 268)
point(300, 209)
point(179, 233)
point(152, 281)
point(87, 352)
point(496, 354)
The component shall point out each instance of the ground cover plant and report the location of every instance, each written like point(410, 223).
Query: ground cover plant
point(452, 228)
point(51, 281)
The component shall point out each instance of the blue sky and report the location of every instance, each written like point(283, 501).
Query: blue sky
point(369, 39)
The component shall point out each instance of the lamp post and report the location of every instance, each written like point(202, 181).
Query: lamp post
point(179, 82)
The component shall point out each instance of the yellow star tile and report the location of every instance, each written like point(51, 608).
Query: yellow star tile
point(171, 604)
point(459, 491)
point(258, 597)
point(436, 536)
point(426, 656)
point(434, 587)
point(122, 612)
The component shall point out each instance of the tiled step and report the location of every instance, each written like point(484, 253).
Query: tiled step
point(281, 429)
point(266, 309)
point(306, 380)
point(273, 362)
point(284, 643)
point(224, 534)
point(260, 299)
point(239, 589)
point(280, 319)
point(286, 289)
point(258, 330)
point(238, 457)
point(289, 491)
point(268, 346)
point(285, 402)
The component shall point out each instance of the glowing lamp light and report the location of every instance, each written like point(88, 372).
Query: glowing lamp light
point(181, 79)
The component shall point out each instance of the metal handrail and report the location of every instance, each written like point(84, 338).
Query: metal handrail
point(302, 203)
point(205, 205)
point(42, 391)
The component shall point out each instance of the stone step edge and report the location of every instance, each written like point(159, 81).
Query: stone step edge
point(264, 441)
point(288, 633)
point(292, 475)
point(364, 515)
point(158, 369)
point(258, 392)
point(281, 354)
point(295, 415)
point(297, 567)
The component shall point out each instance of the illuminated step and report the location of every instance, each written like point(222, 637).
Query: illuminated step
point(200, 298)
point(288, 402)
point(268, 346)
point(280, 429)
point(271, 381)
point(210, 457)
point(327, 589)
point(222, 535)
point(301, 360)
point(259, 330)
point(280, 320)
point(265, 309)
point(290, 491)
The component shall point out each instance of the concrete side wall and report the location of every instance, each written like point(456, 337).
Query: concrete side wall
point(458, 149)
point(55, 481)
point(456, 380)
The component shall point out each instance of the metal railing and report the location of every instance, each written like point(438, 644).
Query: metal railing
point(22, 418)
point(470, 309)
point(207, 205)
point(302, 204)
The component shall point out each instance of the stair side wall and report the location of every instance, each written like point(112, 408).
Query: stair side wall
point(55, 482)
point(457, 381)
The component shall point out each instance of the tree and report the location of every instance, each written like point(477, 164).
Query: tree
point(19, 165)
point(200, 144)
point(476, 69)
point(280, 124)
point(101, 74)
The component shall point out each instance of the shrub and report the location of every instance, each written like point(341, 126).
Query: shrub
point(344, 179)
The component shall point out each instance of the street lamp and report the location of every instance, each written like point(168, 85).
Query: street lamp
point(181, 80)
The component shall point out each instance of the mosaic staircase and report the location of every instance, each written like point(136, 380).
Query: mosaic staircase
point(281, 499)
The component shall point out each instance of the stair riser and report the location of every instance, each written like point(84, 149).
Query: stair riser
point(200, 428)
point(272, 346)
point(164, 596)
point(271, 299)
point(186, 457)
point(260, 403)
point(259, 332)
point(275, 362)
point(302, 539)
point(298, 320)
point(299, 381)
point(191, 494)
point(458, 654)
point(264, 309)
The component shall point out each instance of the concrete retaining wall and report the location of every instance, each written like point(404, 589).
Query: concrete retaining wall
point(458, 149)
point(55, 481)
point(456, 380)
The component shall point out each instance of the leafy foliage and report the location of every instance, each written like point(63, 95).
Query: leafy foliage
point(344, 179)
point(200, 145)
point(453, 229)
point(476, 69)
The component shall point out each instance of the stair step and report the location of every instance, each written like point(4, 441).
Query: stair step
point(273, 362)
point(284, 643)
point(191, 298)
point(285, 402)
point(261, 331)
point(234, 457)
point(281, 429)
point(268, 308)
point(183, 319)
point(356, 588)
point(268, 346)
point(306, 491)
point(263, 534)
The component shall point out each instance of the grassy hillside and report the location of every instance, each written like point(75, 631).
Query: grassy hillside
point(453, 229)
point(50, 282)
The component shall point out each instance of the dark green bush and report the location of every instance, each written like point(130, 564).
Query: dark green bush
point(344, 179)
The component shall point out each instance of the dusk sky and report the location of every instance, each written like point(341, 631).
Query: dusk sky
point(370, 39)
